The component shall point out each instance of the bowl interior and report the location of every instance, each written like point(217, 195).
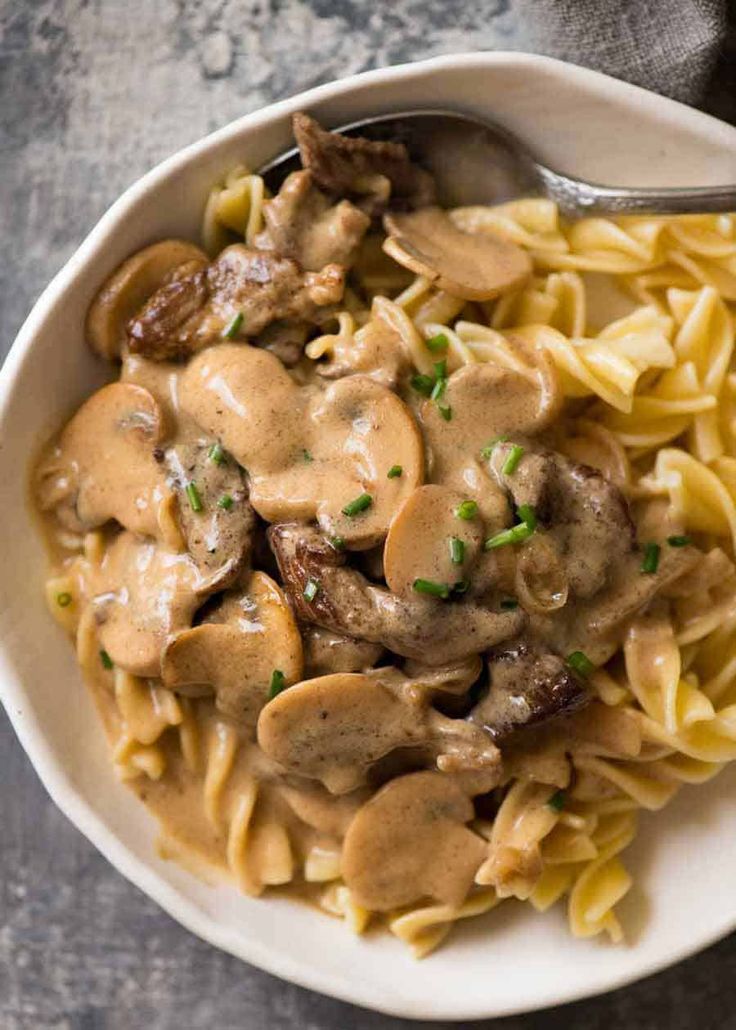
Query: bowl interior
point(512, 959)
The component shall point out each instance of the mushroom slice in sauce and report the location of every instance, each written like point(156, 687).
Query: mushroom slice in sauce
point(528, 686)
point(334, 728)
point(309, 453)
point(217, 520)
point(374, 172)
point(326, 652)
point(433, 631)
point(104, 465)
point(129, 287)
point(303, 224)
point(241, 292)
point(142, 593)
point(411, 842)
point(427, 540)
point(235, 654)
point(472, 266)
point(375, 350)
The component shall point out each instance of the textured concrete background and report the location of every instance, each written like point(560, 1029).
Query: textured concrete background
point(93, 92)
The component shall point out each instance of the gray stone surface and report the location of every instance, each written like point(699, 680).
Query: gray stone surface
point(93, 92)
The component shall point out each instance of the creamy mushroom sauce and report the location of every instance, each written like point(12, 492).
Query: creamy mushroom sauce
point(326, 605)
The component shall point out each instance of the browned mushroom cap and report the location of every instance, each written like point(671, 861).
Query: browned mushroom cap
point(467, 265)
point(105, 466)
point(308, 454)
point(235, 657)
point(336, 727)
point(427, 540)
point(129, 287)
point(144, 592)
point(410, 842)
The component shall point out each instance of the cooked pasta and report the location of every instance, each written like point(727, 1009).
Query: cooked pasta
point(624, 329)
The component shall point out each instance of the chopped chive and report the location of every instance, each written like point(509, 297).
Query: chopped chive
point(557, 801)
point(231, 329)
point(106, 660)
point(651, 558)
point(528, 516)
point(360, 504)
point(512, 461)
point(467, 510)
point(307, 456)
point(225, 502)
point(515, 535)
point(394, 472)
point(457, 551)
point(580, 663)
point(509, 604)
point(311, 590)
point(446, 411)
point(337, 542)
point(461, 587)
point(487, 451)
point(422, 384)
point(278, 683)
point(195, 501)
point(438, 389)
point(428, 586)
point(437, 343)
point(64, 599)
point(678, 541)
point(440, 368)
point(216, 454)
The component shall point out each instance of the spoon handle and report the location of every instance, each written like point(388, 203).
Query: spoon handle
point(577, 199)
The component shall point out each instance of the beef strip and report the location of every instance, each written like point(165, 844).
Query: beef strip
point(348, 166)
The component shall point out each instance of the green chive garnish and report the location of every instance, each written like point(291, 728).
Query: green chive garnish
point(509, 604)
point(438, 389)
point(337, 542)
point(307, 456)
point(231, 329)
point(651, 558)
point(216, 454)
point(512, 460)
point(440, 368)
point(678, 541)
point(428, 586)
point(580, 663)
point(311, 590)
point(446, 411)
point(467, 510)
point(64, 599)
point(106, 660)
point(195, 501)
point(278, 683)
point(226, 502)
point(457, 551)
point(515, 535)
point(557, 801)
point(487, 451)
point(528, 516)
point(360, 504)
point(422, 384)
point(437, 343)
point(394, 472)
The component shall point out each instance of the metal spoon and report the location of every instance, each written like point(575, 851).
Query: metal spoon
point(476, 162)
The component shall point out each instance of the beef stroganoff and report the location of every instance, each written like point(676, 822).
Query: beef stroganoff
point(399, 557)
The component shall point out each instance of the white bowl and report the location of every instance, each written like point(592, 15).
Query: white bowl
point(512, 960)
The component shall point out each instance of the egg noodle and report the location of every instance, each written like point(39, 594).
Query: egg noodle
point(636, 314)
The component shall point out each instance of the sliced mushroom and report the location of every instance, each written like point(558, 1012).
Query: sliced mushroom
point(309, 454)
point(472, 266)
point(334, 728)
point(241, 292)
point(326, 652)
point(411, 842)
point(105, 466)
point(433, 631)
point(129, 287)
point(301, 223)
point(235, 654)
point(372, 171)
point(217, 521)
point(143, 593)
point(527, 686)
point(427, 540)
